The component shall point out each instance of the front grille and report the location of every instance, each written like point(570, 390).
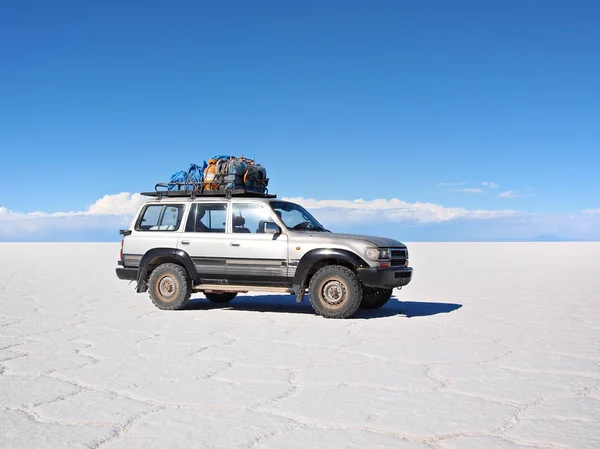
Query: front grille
point(398, 258)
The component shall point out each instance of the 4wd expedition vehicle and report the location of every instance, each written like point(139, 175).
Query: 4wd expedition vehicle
point(223, 244)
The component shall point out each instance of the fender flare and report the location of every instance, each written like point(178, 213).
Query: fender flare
point(169, 253)
point(315, 255)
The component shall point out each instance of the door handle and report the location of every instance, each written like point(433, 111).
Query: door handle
point(234, 244)
point(185, 242)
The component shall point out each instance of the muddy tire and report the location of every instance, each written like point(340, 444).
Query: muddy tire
point(335, 292)
point(169, 287)
point(220, 297)
point(374, 298)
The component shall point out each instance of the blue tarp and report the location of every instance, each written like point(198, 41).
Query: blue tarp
point(194, 174)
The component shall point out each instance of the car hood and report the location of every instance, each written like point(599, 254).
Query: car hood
point(379, 241)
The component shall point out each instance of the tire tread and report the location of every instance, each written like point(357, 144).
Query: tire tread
point(354, 291)
point(185, 291)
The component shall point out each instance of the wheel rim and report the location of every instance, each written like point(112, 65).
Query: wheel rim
point(167, 288)
point(333, 292)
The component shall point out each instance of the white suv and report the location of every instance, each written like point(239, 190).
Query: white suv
point(223, 244)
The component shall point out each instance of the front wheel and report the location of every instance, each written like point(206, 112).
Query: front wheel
point(374, 298)
point(220, 297)
point(169, 287)
point(335, 292)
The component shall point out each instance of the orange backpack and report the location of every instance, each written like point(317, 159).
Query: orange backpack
point(210, 183)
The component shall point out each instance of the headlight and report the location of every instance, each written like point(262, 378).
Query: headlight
point(372, 253)
point(377, 253)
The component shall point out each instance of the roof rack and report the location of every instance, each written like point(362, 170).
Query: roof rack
point(194, 190)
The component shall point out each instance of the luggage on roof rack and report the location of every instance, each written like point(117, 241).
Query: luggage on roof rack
point(189, 179)
point(223, 176)
point(230, 173)
point(220, 173)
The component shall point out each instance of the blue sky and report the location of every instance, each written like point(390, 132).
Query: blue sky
point(339, 100)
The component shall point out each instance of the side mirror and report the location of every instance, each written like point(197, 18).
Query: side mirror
point(270, 227)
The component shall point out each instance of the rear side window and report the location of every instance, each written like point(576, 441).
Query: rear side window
point(163, 217)
point(207, 218)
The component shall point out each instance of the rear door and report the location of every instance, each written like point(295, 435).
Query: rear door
point(255, 258)
point(157, 226)
point(205, 239)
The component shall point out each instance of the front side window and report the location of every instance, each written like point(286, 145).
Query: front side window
point(161, 217)
point(296, 217)
point(249, 218)
point(207, 218)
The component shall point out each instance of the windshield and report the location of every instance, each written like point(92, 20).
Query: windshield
point(296, 217)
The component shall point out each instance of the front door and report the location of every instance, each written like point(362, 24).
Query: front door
point(205, 239)
point(256, 258)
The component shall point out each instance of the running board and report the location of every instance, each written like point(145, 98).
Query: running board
point(239, 288)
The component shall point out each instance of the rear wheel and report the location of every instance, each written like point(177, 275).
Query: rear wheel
point(220, 297)
point(374, 298)
point(169, 287)
point(335, 292)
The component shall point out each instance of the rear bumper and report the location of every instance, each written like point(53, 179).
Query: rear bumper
point(128, 274)
point(385, 278)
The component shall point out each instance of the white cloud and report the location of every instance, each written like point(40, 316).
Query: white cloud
point(110, 211)
point(116, 211)
point(113, 212)
point(393, 210)
point(451, 184)
point(491, 185)
point(468, 190)
point(509, 194)
point(121, 203)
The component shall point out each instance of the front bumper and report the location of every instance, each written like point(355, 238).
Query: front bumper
point(128, 274)
point(386, 277)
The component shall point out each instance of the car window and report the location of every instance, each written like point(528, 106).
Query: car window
point(248, 217)
point(161, 218)
point(295, 216)
point(292, 218)
point(207, 218)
